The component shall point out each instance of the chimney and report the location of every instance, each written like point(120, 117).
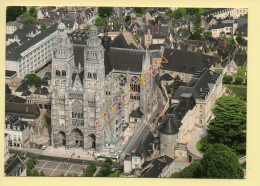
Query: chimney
point(164, 159)
point(26, 109)
point(147, 174)
point(158, 167)
point(229, 56)
point(187, 103)
point(163, 116)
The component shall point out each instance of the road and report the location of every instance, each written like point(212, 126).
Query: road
point(143, 129)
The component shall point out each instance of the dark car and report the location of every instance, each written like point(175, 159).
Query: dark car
point(31, 145)
point(40, 146)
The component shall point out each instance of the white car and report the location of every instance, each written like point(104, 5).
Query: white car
point(44, 147)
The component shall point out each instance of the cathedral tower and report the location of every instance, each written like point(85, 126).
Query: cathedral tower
point(62, 69)
point(94, 77)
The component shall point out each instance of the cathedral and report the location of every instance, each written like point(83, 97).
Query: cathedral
point(87, 109)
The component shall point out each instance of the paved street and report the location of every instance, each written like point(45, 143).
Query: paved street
point(143, 129)
point(54, 168)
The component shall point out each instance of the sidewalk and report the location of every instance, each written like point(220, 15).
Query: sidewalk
point(76, 153)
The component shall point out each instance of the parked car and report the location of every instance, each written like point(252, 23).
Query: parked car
point(31, 145)
point(44, 147)
point(40, 146)
point(35, 145)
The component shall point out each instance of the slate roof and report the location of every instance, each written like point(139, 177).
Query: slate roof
point(7, 89)
point(14, 122)
point(215, 11)
point(126, 59)
point(22, 110)
point(199, 86)
point(240, 59)
point(26, 93)
point(9, 73)
point(41, 91)
point(242, 31)
point(155, 46)
point(25, 84)
point(14, 99)
point(154, 168)
point(186, 61)
point(13, 166)
point(137, 113)
point(169, 128)
point(166, 77)
point(16, 54)
point(158, 31)
point(11, 47)
point(145, 147)
point(120, 42)
point(222, 25)
point(46, 78)
point(79, 37)
point(133, 25)
point(78, 51)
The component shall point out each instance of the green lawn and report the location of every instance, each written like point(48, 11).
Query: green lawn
point(240, 92)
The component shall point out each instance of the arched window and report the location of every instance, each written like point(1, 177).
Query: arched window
point(57, 73)
point(89, 75)
point(121, 80)
point(135, 87)
point(63, 73)
point(94, 75)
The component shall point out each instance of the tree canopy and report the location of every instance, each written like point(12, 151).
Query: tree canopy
point(220, 162)
point(14, 11)
point(105, 11)
point(197, 30)
point(29, 20)
point(179, 13)
point(33, 12)
point(229, 125)
point(35, 79)
point(43, 27)
point(227, 79)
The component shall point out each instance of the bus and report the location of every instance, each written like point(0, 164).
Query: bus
point(102, 157)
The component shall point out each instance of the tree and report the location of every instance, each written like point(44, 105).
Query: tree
point(33, 12)
point(179, 13)
point(127, 18)
point(12, 12)
point(43, 27)
point(115, 174)
point(108, 160)
point(239, 80)
point(229, 125)
point(29, 20)
point(168, 88)
point(197, 30)
point(35, 79)
point(240, 39)
point(42, 173)
point(105, 11)
point(220, 162)
point(157, 19)
point(101, 21)
point(227, 79)
point(193, 11)
point(177, 82)
point(169, 13)
point(137, 36)
point(69, 175)
point(192, 171)
point(35, 173)
point(87, 27)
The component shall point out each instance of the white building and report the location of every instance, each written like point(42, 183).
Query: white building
point(12, 26)
point(17, 131)
point(33, 54)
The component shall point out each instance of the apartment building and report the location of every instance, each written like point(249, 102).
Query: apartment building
point(33, 54)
